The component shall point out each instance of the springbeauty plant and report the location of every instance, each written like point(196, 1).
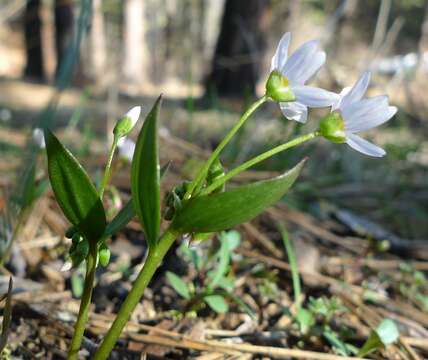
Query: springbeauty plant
point(203, 205)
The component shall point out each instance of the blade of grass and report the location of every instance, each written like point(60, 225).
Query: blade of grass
point(293, 265)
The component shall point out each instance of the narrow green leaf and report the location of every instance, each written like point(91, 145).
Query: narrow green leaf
point(145, 177)
point(223, 261)
point(240, 303)
point(216, 212)
point(122, 218)
point(127, 213)
point(179, 285)
point(217, 303)
point(74, 191)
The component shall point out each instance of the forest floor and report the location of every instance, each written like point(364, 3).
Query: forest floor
point(358, 227)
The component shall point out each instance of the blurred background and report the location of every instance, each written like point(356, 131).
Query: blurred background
point(87, 62)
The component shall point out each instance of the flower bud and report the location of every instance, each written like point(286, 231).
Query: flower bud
point(278, 87)
point(39, 138)
point(104, 255)
point(126, 123)
point(79, 252)
point(332, 127)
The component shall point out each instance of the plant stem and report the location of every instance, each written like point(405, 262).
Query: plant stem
point(153, 260)
point(202, 173)
point(293, 265)
point(301, 139)
point(85, 302)
point(107, 169)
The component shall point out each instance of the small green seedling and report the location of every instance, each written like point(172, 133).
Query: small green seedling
point(385, 334)
point(215, 282)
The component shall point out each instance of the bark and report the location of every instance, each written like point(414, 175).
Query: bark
point(240, 45)
point(33, 40)
point(134, 44)
point(64, 27)
point(97, 56)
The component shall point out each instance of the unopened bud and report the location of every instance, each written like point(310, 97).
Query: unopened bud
point(125, 124)
point(278, 87)
point(332, 127)
point(104, 255)
point(39, 138)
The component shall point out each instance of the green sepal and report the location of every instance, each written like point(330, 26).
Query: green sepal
point(74, 191)
point(278, 88)
point(216, 212)
point(123, 127)
point(145, 176)
point(332, 127)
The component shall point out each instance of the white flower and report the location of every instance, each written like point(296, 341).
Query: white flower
point(126, 148)
point(360, 114)
point(298, 69)
point(39, 138)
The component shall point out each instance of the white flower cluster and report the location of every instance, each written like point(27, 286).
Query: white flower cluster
point(356, 112)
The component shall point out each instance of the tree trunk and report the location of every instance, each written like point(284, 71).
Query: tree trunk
point(64, 27)
point(97, 51)
point(133, 60)
point(238, 55)
point(33, 40)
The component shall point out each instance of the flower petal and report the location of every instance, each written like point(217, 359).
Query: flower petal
point(377, 118)
point(304, 62)
point(310, 68)
point(342, 94)
point(294, 111)
point(367, 113)
point(363, 146)
point(314, 97)
point(357, 91)
point(281, 53)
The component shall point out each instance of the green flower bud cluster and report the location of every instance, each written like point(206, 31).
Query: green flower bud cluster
point(174, 200)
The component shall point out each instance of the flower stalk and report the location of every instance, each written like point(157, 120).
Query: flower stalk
point(202, 173)
point(154, 258)
point(107, 170)
point(292, 143)
point(85, 303)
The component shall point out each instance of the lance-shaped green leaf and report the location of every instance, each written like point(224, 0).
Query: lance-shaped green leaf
point(74, 191)
point(122, 218)
point(127, 213)
point(216, 212)
point(145, 178)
